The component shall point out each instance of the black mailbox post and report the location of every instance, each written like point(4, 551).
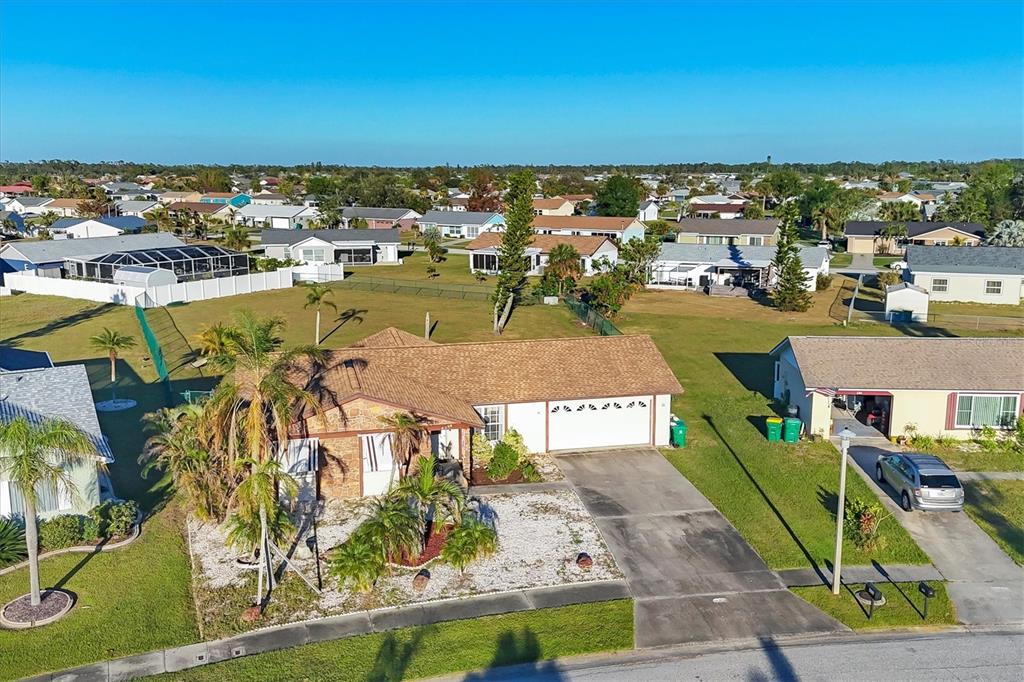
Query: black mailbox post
point(928, 591)
point(874, 595)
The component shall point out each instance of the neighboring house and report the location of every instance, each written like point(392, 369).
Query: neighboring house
point(860, 184)
point(380, 218)
point(135, 208)
point(483, 252)
point(287, 217)
point(983, 274)
point(106, 226)
point(763, 232)
point(622, 229)
point(19, 222)
point(46, 258)
point(462, 224)
point(648, 211)
point(726, 207)
point(124, 189)
point(236, 199)
point(577, 199)
point(225, 212)
point(934, 386)
point(865, 236)
point(159, 265)
point(698, 266)
point(558, 394)
point(66, 208)
point(16, 190)
point(311, 200)
point(168, 198)
point(29, 206)
point(553, 206)
point(905, 302)
point(269, 199)
point(18, 359)
point(315, 247)
point(57, 393)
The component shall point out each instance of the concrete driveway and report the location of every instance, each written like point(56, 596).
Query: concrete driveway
point(986, 586)
point(692, 575)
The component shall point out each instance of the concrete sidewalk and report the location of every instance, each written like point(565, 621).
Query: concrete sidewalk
point(899, 573)
point(985, 585)
point(990, 475)
point(693, 576)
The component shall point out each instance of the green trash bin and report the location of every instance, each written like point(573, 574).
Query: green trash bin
point(679, 433)
point(773, 429)
point(791, 430)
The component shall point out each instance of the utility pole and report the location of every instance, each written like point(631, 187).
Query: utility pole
point(844, 446)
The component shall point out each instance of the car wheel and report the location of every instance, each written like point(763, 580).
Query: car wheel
point(905, 502)
point(878, 474)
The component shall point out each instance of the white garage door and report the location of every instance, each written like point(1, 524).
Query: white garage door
point(577, 424)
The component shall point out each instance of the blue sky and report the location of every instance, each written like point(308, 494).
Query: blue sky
point(487, 82)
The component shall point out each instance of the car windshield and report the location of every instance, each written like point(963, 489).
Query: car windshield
point(939, 481)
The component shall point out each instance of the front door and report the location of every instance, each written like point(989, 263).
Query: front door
point(378, 463)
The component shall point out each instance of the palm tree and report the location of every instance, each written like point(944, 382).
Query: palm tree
point(259, 518)
point(316, 295)
point(160, 217)
point(213, 339)
point(112, 342)
point(251, 410)
point(235, 238)
point(408, 431)
point(33, 457)
point(564, 263)
point(394, 527)
point(435, 498)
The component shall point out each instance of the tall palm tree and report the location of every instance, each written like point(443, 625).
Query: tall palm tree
point(213, 339)
point(32, 458)
point(235, 238)
point(408, 431)
point(564, 263)
point(316, 295)
point(112, 342)
point(251, 410)
point(160, 217)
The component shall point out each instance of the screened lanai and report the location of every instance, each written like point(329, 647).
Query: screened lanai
point(188, 263)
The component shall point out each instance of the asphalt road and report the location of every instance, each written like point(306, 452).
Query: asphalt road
point(946, 656)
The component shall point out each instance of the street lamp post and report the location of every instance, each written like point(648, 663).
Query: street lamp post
point(844, 446)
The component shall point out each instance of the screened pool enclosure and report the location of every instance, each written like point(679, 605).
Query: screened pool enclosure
point(188, 263)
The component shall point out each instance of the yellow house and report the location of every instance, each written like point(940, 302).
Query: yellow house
point(866, 236)
point(933, 386)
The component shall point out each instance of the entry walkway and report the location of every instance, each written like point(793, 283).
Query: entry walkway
point(692, 576)
point(986, 586)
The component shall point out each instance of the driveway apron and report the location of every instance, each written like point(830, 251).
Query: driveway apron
point(986, 586)
point(692, 575)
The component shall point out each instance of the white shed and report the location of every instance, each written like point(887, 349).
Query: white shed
point(906, 302)
point(144, 276)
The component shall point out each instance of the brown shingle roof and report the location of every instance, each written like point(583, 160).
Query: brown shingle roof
point(391, 337)
point(585, 246)
point(64, 203)
point(885, 363)
point(582, 222)
point(449, 379)
point(550, 204)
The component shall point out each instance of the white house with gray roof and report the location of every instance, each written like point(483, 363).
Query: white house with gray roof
point(56, 393)
point(28, 206)
point(698, 266)
point(286, 217)
point(319, 247)
point(379, 218)
point(462, 224)
point(976, 274)
point(46, 258)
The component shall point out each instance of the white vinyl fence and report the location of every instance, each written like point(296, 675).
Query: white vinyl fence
point(184, 292)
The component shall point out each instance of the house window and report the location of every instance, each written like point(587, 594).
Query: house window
point(485, 262)
point(994, 287)
point(473, 231)
point(714, 240)
point(975, 411)
point(940, 285)
point(301, 456)
point(312, 255)
point(755, 241)
point(494, 428)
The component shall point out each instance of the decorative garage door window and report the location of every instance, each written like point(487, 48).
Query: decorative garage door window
point(302, 456)
point(974, 411)
point(632, 404)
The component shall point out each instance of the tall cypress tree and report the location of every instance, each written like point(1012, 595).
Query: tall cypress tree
point(512, 251)
point(791, 292)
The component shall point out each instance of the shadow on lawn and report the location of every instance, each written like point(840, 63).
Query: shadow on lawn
point(754, 371)
point(62, 322)
point(344, 317)
point(768, 500)
point(521, 650)
point(986, 502)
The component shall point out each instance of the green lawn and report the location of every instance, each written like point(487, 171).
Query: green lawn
point(779, 496)
point(883, 261)
point(1001, 459)
point(840, 260)
point(983, 309)
point(529, 637)
point(904, 606)
point(998, 508)
point(454, 269)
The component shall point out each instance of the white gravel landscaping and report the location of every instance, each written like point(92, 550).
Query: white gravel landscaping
point(540, 535)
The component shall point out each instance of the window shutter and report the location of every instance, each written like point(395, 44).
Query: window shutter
point(951, 411)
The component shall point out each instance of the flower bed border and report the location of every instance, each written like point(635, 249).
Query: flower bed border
point(83, 549)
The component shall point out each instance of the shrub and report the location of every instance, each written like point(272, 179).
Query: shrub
point(121, 517)
point(358, 562)
point(61, 531)
point(888, 278)
point(923, 442)
point(514, 440)
point(946, 441)
point(823, 282)
point(98, 516)
point(471, 540)
point(90, 529)
point(244, 529)
point(12, 542)
point(504, 461)
point(861, 520)
point(987, 438)
point(1018, 436)
point(482, 449)
point(530, 473)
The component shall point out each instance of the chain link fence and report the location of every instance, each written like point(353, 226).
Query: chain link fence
point(471, 292)
point(592, 318)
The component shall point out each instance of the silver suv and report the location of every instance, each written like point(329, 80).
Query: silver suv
point(921, 481)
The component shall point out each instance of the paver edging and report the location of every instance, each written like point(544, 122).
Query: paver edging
point(81, 549)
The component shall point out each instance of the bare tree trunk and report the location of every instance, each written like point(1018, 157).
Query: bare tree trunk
point(32, 544)
point(113, 367)
point(505, 314)
point(497, 305)
point(318, 326)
